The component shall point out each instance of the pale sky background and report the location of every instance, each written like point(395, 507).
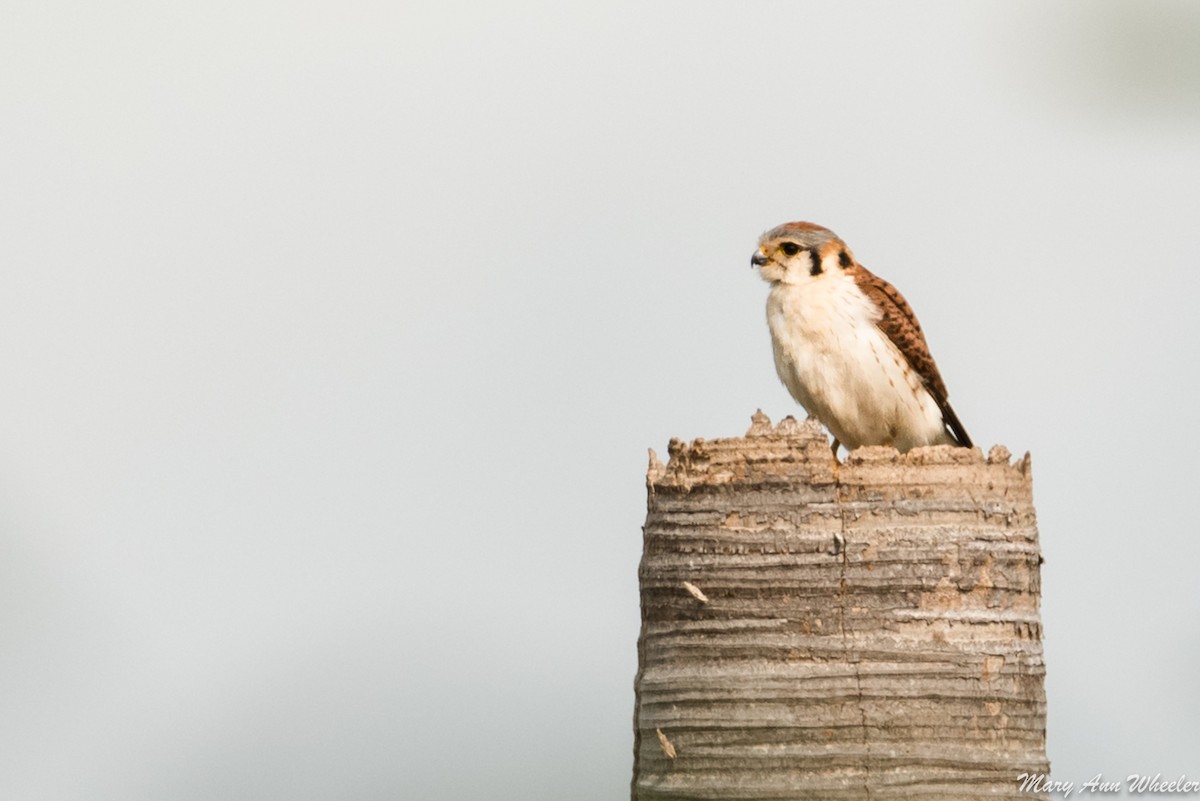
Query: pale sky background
point(333, 335)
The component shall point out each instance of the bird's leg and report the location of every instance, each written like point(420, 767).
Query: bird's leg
point(837, 466)
point(837, 489)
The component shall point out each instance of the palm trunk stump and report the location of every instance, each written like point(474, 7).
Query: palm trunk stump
point(868, 630)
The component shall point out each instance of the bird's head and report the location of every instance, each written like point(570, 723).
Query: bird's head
point(800, 253)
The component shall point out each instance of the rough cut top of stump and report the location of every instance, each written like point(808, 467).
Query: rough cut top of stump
point(799, 452)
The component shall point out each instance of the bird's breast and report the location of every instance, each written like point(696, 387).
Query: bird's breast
point(820, 334)
point(837, 363)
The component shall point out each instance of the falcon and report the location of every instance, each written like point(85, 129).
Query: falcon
point(848, 347)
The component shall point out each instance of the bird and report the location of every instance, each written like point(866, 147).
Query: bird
point(848, 346)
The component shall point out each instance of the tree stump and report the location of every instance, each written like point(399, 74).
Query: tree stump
point(814, 630)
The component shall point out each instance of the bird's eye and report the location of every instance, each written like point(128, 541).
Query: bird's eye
point(790, 248)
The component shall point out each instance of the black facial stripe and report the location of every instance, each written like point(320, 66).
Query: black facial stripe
point(844, 259)
point(815, 255)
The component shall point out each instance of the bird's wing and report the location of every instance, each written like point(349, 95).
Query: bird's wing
point(900, 325)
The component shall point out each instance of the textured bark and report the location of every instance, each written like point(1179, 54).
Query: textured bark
point(868, 630)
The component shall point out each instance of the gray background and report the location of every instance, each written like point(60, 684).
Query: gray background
point(333, 335)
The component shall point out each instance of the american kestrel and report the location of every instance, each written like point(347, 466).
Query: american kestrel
point(848, 347)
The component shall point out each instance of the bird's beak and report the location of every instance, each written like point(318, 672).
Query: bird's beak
point(758, 259)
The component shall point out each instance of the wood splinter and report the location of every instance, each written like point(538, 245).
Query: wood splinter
point(667, 747)
point(695, 591)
